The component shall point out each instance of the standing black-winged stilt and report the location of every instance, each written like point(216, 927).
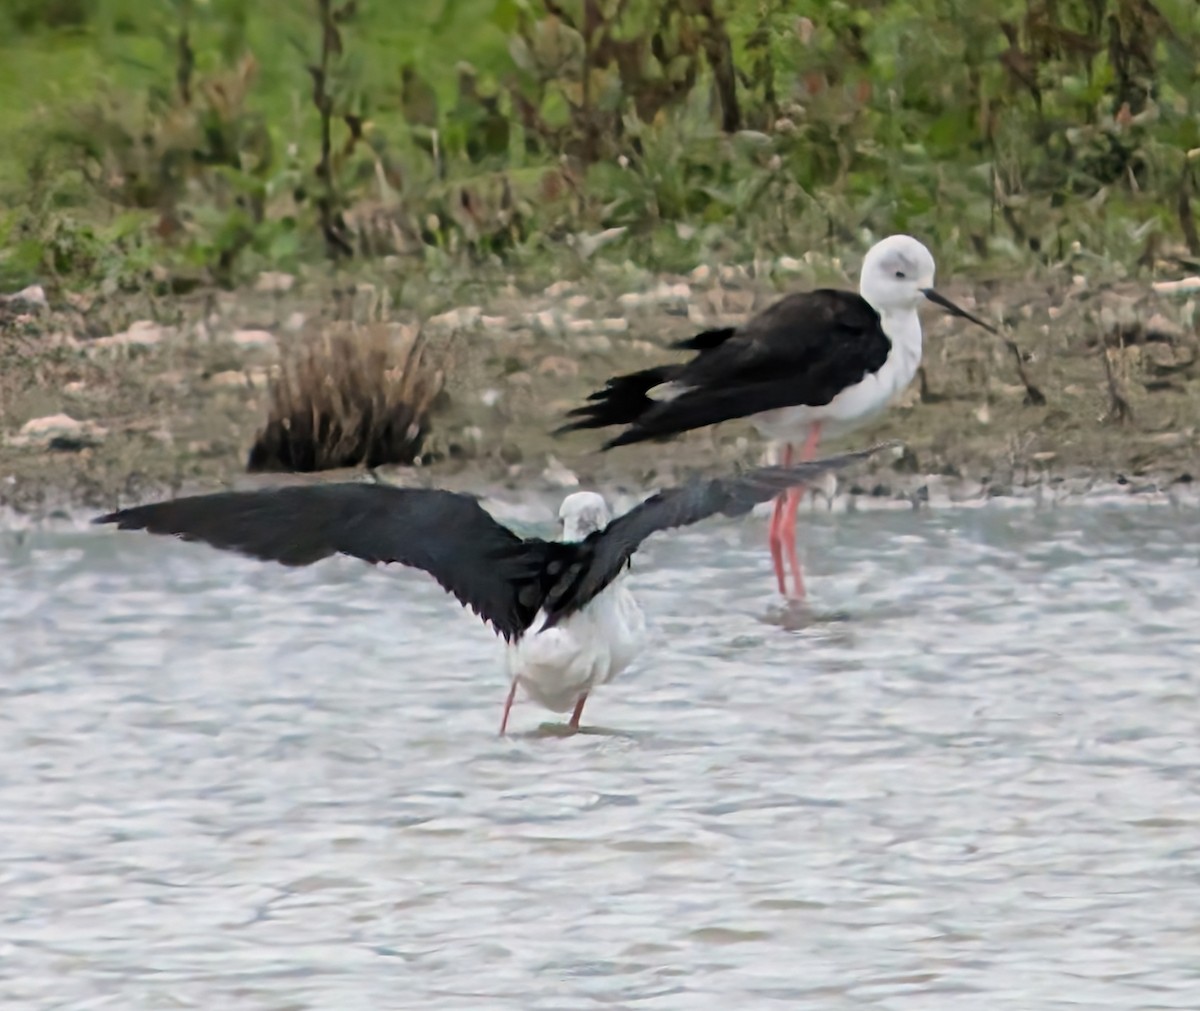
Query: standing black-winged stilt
point(814, 364)
point(590, 628)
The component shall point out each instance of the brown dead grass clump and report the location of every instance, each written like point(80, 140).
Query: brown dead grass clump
point(349, 398)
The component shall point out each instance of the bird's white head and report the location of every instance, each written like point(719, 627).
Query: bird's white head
point(897, 273)
point(581, 513)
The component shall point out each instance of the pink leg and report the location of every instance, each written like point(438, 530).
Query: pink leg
point(788, 532)
point(788, 525)
point(508, 704)
point(775, 530)
point(574, 724)
point(579, 711)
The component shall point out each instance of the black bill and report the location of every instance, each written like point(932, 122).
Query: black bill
point(954, 310)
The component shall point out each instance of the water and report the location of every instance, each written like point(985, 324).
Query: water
point(973, 783)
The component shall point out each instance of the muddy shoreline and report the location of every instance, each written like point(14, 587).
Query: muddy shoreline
point(171, 403)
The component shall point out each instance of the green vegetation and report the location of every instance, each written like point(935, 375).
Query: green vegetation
point(165, 144)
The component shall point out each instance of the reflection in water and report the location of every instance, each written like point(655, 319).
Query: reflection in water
point(969, 776)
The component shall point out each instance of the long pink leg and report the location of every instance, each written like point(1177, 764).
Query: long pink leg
point(788, 531)
point(508, 704)
point(574, 723)
point(808, 452)
point(775, 530)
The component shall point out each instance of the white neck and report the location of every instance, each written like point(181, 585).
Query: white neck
point(903, 327)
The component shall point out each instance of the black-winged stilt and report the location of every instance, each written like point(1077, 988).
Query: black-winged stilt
point(813, 364)
point(590, 627)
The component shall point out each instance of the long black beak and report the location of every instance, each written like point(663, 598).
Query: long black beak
point(954, 310)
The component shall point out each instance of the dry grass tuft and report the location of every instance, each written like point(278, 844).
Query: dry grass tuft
point(349, 398)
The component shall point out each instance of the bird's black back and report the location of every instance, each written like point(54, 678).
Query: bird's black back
point(802, 350)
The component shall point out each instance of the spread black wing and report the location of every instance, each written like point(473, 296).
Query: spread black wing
point(502, 577)
point(802, 350)
point(450, 536)
point(584, 569)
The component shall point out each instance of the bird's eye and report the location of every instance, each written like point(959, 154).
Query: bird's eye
point(900, 274)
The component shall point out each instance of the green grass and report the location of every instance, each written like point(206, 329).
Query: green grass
point(920, 115)
point(38, 77)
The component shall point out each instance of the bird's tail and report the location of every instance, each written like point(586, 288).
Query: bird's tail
point(623, 400)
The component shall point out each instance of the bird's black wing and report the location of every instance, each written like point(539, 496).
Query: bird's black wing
point(802, 334)
point(585, 568)
point(450, 536)
point(802, 350)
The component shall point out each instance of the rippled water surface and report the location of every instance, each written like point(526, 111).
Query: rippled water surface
point(972, 781)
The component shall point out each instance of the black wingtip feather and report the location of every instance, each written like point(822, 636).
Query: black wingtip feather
point(624, 399)
point(621, 402)
point(132, 518)
point(705, 341)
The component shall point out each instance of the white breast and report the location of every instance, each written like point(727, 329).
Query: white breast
point(586, 650)
point(860, 403)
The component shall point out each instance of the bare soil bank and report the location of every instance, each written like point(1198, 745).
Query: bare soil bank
point(164, 407)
